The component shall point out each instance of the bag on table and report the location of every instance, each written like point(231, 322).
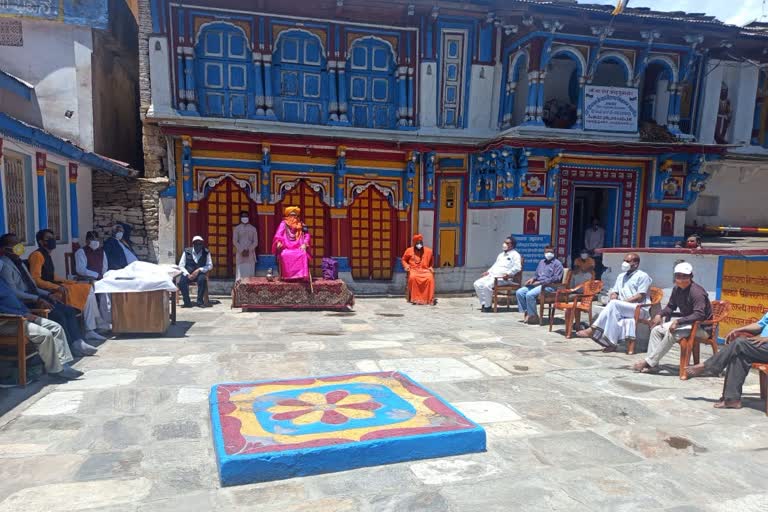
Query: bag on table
point(330, 269)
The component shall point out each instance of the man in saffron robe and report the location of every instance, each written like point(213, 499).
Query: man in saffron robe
point(418, 261)
point(291, 246)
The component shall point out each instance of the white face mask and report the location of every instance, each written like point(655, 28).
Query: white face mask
point(245, 220)
point(549, 255)
point(584, 255)
point(93, 244)
point(419, 246)
point(504, 247)
point(119, 235)
point(625, 267)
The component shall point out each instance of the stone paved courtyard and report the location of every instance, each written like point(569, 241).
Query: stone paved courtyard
point(569, 428)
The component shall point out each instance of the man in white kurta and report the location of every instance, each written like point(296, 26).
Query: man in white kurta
point(612, 325)
point(246, 240)
point(507, 264)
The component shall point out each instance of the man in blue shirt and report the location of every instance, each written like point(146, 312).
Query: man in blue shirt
point(548, 272)
point(750, 346)
point(46, 334)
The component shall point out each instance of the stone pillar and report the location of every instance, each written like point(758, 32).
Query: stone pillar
point(73, 215)
point(186, 168)
point(42, 206)
point(533, 94)
point(509, 101)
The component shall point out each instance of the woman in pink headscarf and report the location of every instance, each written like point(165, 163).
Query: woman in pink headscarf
point(291, 246)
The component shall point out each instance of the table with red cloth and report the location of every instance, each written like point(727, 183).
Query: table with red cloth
point(259, 293)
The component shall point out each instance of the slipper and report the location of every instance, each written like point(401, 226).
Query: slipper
point(608, 350)
point(653, 370)
point(583, 334)
point(639, 366)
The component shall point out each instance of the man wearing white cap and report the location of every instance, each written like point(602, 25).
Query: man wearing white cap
point(693, 302)
point(195, 264)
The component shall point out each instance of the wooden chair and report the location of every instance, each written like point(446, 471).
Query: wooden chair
point(692, 346)
point(548, 298)
point(507, 290)
point(573, 302)
point(654, 307)
point(24, 349)
point(192, 293)
point(762, 371)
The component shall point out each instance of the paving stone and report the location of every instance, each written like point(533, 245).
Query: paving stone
point(306, 346)
point(56, 403)
point(196, 359)
point(77, 495)
point(102, 466)
point(487, 412)
point(152, 361)
point(449, 470)
point(102, 379)
point(577, 449)
point(126, 432)
point(176, 430)
point(435, 369)
point(373, 344)
point(192, 395)
point(487, 367)
point(429, 501)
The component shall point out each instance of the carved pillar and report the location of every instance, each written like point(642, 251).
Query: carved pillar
point(41, 160)
point(186, 168)
point(333, 101)
point(402, 96)
point(340, 173)
point(266, 174)
point(181, 79)
point(258, 78)
point(580, 106)
point(74, 215)
point(268, 97)
point(189, 74)
point(342, 77)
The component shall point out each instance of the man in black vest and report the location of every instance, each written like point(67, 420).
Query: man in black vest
point(195, 264)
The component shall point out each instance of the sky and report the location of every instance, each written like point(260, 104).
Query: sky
point(736, 12)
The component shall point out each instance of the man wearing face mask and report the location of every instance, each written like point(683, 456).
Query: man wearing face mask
point(245, 237)
point(72, 293)
point(15, 274)
point(417, 261)
point(631, 289)
point(693, 302)
point(507, 265)
point(548, 272)
point(195, 264)
point(118, 248)
point(91, 263)
point(583, 268)
point(594, 239)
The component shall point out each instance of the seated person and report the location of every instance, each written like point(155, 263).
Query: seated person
point(16, 276)
point(693, 301)
point(612, 325)
point(417, 261)
point(583, 269)
point(548, 272)
point(747, 345)
point(91, 264)
point(45, 334)
point(118, 248)
point(508, 264)
point(195, 264)
point(291, 244)
point(72, 293)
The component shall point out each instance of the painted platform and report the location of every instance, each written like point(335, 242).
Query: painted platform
point(272, 430)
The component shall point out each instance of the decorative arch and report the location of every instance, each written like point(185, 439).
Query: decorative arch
point(573, 53)
point(223, 24)
point(300, 78)
point(322, 188)
point(668, 63)
point(619, 58)
point(207, 181)
point(355, 189)
point(514, 62)
point(362, 39)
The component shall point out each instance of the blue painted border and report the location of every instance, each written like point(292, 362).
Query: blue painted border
point(264, 467)
point(15, 85)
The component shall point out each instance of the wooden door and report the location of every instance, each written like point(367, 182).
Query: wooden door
point(372, 226)
point(449, 234)
point(222, 213)
point(315, 215)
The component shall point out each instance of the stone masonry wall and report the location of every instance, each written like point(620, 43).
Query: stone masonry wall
point(152, 138)
point(129, 200)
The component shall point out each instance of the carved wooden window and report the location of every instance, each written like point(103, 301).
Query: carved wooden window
point(372, 84)
point(224, 65)
point(54, 200)
point(300, 81)
point(452, 77)
point(15, 197)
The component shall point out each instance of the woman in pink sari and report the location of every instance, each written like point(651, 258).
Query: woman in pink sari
point(291, 245)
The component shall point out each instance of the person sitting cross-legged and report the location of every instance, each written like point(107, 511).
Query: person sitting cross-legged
point(195, 264)
point(631, 289)
point(548, 272)
point(693, 302)
point(747, 345)
point(45, 334)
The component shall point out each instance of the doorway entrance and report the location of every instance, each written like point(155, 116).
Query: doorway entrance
point(593, 202)
point(449, 227)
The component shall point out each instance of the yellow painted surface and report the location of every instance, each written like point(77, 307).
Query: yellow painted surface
point(745, 285)
point(449, 201)
point(448, 246)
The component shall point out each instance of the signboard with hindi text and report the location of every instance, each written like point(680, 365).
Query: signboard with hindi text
point(743, 283)
point(531, 248)
point(610, 109)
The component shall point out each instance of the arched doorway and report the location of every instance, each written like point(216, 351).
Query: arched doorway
point(315, 215)
point(222, 213)
point(372, 236)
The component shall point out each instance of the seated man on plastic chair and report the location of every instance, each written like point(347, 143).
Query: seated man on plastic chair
point(549, 274)
point(195, 264)
point(693, 302)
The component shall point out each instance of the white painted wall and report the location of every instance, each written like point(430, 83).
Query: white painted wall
point(741, 188)
point(428, 95)
point(161, 76)
point(84, 201)
point(56, 60)
point(427, 226)
point(661, 105)
point(710, 103)
point(486, 230)
point(653, 225)
point(480, 107)
point(167, 231)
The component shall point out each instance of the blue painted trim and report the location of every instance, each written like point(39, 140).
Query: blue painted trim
point(169, 192)
point(2, 201)
point(263, 467)
point(41, 139)
point(267, 261)
point(666, 206)
point(608, 42)
point(15, 85)
point(42, 206)
point(154, 9)
point(74, 229)
point(343, 263)
point(443, 24)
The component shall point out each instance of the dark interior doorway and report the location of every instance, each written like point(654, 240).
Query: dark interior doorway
point(590, 202)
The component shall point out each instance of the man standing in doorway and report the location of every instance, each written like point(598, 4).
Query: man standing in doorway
point(594, 239)
point(245, 238)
